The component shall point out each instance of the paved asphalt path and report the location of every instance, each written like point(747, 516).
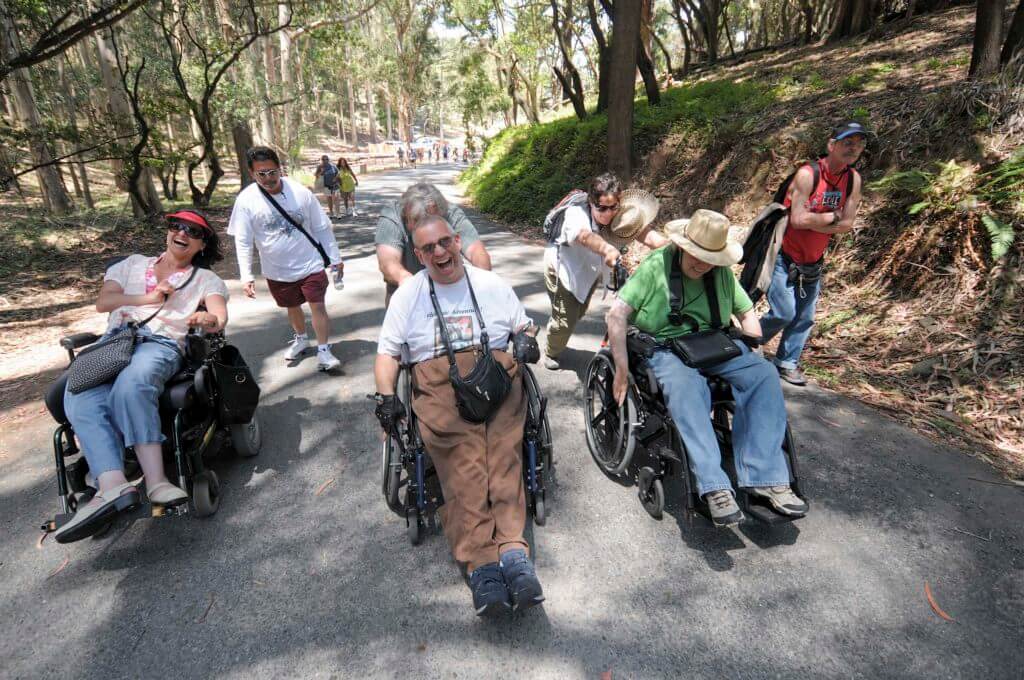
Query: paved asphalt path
point(286, 583)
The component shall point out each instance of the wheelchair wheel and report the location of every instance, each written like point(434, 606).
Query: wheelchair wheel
point(414, 529)
point(391, 472)
point(533, 405)
point(651, 492)
point(206, 493)
point(540, 517)
point(247, 438)
point(608, 424)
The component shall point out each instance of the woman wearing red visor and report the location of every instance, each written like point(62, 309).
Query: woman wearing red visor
point(109, 417)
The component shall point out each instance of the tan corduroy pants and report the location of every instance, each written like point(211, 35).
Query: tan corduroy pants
point(566, 312)
point(479, 466)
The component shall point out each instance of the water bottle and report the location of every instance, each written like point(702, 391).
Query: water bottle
point(339, 277)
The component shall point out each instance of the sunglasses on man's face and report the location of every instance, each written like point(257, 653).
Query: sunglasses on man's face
point(605, 208)
point(267, 174)
point(191, 230)
point(428, 248)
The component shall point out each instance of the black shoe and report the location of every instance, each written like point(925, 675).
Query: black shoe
point(792, 375)
point(519, 574)
point(490, 596)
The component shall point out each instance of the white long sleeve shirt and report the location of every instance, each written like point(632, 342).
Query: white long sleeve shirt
point(285, 254)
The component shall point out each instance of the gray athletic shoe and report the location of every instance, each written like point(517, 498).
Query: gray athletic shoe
point(792, 375)
point(782, 499)
point(551, 363)
point(723, 508)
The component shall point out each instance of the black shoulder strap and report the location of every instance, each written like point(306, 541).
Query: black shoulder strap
point(816, 167)
point(849, 182)
point(712, 292)
point(291, 220)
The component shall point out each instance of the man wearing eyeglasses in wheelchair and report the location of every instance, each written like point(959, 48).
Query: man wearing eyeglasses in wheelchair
point(685, 330)
point(455, 321)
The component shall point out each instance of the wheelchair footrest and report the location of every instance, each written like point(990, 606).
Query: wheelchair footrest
point(762, 512)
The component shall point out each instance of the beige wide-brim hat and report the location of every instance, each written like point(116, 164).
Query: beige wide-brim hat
point(706, 236)
point(637, 209)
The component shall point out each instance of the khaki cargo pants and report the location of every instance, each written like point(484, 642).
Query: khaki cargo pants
point(566, 311)
point(479, 466)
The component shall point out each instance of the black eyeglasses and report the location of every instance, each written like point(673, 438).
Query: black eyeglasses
point(191, 230)
point(428, 248)
point(605, 208)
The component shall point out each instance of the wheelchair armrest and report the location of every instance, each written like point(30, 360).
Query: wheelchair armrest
point(72, 342)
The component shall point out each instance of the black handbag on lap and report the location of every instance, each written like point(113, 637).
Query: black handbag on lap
point(481, 393)
point(101, 362)
point(699, 349)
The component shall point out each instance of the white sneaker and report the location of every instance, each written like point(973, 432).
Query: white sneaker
point(300, 343)
point(325, 361)
point(355, 213)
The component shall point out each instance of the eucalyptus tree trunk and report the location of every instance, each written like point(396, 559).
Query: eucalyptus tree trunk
point(387, 111)
point(288, 110)
point(81, 180)
point(371, 114)
point(352, 112)
point(988, 38)
point(621, 84)
point(55, 196)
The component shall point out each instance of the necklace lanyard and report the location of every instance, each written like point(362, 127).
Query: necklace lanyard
point(832, 186)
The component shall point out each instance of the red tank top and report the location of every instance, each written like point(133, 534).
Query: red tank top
point(805, 246)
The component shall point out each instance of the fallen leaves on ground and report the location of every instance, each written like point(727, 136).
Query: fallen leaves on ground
point(323, 486)
point(935, 607)
point(202, 619)
point(60, 568)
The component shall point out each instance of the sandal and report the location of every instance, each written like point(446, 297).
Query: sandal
point(94, 516)
point(166, 494)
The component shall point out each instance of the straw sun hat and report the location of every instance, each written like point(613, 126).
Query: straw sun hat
point(637, 209)
point(706, 236)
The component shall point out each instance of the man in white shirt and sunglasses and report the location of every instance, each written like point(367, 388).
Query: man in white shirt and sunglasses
point(271, 214)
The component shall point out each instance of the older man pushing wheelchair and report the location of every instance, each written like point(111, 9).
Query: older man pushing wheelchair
point(678, 297)
point(455, 321)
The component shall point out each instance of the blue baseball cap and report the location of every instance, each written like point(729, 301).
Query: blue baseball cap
point(849, 129)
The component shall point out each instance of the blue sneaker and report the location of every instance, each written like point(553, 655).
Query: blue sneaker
point(521, 579)
point(490, 596)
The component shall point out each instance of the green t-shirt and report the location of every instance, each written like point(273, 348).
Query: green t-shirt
point(647, 293)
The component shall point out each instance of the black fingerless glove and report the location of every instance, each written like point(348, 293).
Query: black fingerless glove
point(525, 349)
point(389, 411)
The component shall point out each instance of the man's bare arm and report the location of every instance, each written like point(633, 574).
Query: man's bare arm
point(616, 319)
point(385, 373)
point(653, 239)
point(799, 216)
point(595, 243)
point(389, 260)
point(478, 256)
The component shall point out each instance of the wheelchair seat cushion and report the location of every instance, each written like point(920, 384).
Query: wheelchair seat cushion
point(54, 398)
point(179, 392)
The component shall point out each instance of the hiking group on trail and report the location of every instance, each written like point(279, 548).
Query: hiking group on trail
point(466, 339)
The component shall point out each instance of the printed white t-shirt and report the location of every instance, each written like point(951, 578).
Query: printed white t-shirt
point(130, 274)
point(285, 254)
point(410, 319)
point(578, 267)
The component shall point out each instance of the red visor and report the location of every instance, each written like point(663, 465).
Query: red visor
point(191, 218)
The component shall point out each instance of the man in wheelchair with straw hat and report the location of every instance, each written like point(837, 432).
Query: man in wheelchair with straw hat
point(591, 231)
point(677, 299)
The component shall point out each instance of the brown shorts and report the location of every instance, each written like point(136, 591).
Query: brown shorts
point(294, 293)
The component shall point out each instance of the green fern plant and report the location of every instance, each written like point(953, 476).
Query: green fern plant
point(1001, 235)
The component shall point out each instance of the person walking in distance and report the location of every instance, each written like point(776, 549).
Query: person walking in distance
point(296, 244)
point(823, 199)
point(329, 172)
point(348, 183)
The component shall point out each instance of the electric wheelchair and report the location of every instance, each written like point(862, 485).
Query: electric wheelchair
point(639, 441)
point(409, 481)
point(196, 419)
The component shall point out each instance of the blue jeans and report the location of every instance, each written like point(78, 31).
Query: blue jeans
point(109, 417)
point(758, 427)
point(792, 312)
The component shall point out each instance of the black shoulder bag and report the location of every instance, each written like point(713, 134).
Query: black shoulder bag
point(700, 349)
point(101, 362)
point(481, 393)
point(291, 221)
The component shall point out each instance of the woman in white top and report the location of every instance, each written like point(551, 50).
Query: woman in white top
point(107, 418)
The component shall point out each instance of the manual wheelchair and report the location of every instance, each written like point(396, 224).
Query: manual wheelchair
point(639, 441)
point(195, 418)
point(409, 481)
